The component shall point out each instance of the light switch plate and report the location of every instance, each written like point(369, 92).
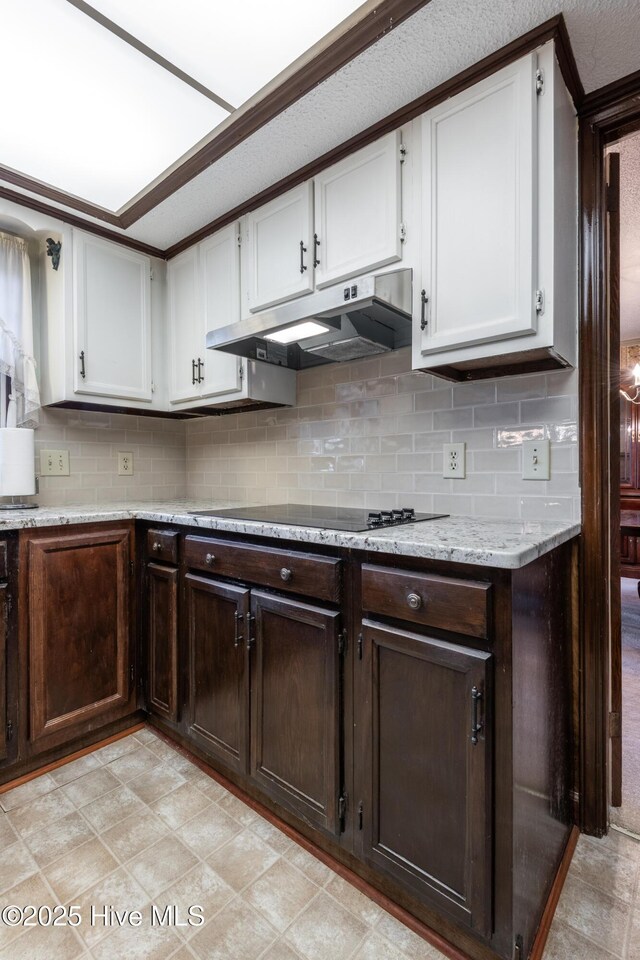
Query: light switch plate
point(536, 460)
point(454, 460)
point(54, 463)
point(125, 463)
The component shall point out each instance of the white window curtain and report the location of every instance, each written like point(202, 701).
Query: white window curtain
point(22, 405)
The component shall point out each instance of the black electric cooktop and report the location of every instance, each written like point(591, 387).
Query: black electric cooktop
point(333, 518)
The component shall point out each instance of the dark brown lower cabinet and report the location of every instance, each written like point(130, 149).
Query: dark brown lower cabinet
point(295, 753)
point(426, 810)
point(4, 638)
point(162, 640)
point(81, 658)
point(218, 624)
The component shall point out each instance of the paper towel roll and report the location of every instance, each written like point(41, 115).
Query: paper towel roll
point(17, 467)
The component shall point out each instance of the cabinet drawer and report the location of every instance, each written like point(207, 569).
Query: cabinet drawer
point(162, 545)
point(461, 606)
point(292, 572)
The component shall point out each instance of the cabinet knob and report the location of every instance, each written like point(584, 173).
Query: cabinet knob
point(414, 601)
point(285, 574)
point(209, 559)
point(156, 547)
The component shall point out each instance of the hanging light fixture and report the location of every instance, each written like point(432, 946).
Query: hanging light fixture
point(636, 386)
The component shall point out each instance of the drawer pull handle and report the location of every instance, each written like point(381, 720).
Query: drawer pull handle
point(156, 547)
point(237, 637)
point(414, 601)
point(285, 574)
point(209, 559)
point(476, 726)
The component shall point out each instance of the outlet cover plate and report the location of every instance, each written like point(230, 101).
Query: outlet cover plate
point(536, 460)
point(454, 464)
point(125, 463)
point(54, 463)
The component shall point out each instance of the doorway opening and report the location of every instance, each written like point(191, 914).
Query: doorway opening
point(622, 165)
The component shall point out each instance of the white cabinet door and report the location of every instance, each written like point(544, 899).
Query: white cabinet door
point(358, 212)
point(220, 285)
point(479, 196)
point(278, 249)
point(112, 320)
point(185, 326)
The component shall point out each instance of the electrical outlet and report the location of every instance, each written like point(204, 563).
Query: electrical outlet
point(125, 463)
point(536, 460)
point(454, 460)
point(54, 463)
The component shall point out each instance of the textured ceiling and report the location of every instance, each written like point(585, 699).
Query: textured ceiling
point(439, 41)
point(629, 151)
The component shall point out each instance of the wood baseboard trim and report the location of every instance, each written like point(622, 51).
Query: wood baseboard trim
point(399, 913)
point(542, 934)
point(55, 764)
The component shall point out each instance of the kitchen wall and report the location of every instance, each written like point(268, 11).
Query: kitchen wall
point(93, 441)
point(370, 434)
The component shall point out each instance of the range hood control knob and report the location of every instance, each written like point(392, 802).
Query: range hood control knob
point(346, 293)
point(354, 292)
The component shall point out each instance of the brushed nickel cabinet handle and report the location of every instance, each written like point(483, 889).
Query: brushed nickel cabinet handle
point(285, 574)
point(209, 559)
point(414, 601)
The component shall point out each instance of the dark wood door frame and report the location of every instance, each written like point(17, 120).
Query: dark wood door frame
point(604, 116)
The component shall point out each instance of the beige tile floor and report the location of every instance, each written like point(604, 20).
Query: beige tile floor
point(136, 823)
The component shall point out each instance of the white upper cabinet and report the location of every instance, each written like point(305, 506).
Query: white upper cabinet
point(220, 286)
point(478, 216)
point(358, 212)
point(496, 284)
point(112, 320)
point(277, 249)
point(185, 326)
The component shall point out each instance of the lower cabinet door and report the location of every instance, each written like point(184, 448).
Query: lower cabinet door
point(295, 754)
point(162, 640)
point(426, 810)
point(218, 625)
point(81, 658)
point(4, 633)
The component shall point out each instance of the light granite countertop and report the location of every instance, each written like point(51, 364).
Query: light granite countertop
point(509, 544)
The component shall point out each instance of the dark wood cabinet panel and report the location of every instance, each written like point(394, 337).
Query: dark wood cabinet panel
point(295, 753)
point(81, 661)
point(427, 803)
point(4, 637)
point(461, 606)
point(162, 640)
point(627, 550)
point(218, 625)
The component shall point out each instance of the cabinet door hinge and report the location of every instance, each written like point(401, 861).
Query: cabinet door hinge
point(403, 152)
point(151, 276)
point(539, 301)
point(403, 232)
point(360, 814)
point(360, 641)
point(517, 948)
point(240, 372)
point(132, 567)
point(539, 81)
point(342, 810)
point(342, 643)
point(132, 673)
point(615, 726)
point(239, 239)
point(9, 730)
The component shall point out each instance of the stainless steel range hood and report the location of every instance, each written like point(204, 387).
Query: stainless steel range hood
point(356, 318)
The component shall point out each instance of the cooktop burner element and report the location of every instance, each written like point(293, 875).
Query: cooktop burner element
point(333, 518)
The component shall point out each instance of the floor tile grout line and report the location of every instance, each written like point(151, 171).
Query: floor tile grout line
point(601, 890)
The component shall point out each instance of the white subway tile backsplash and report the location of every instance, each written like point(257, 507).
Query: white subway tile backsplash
point(368, 433)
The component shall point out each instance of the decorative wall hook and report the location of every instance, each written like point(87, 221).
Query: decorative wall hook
point(53, 251)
